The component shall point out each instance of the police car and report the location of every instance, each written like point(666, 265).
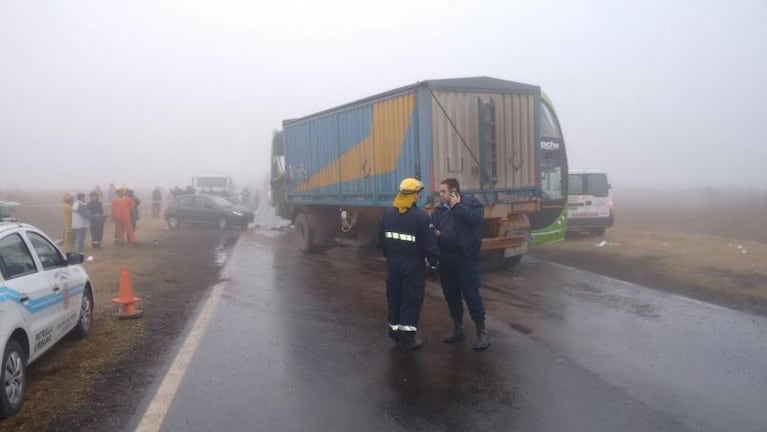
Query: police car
point(44, 295)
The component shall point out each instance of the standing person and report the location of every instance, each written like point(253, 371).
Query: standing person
point(96, 211)
point(97, 190)
point(80, 221)
point(134, 213)
point(156, 202)
point(111, 195)
point(68, 240)
point(121, 212)
point(458, 227)
point(406, 236)
point(111, 192)
point(245, 194)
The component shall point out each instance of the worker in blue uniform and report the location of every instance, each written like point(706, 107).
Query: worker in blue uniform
point(406, 236)
point(458, 226)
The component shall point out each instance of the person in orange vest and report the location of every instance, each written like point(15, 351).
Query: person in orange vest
point(121, 214)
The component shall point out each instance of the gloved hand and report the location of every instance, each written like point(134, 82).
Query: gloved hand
point(431, 273)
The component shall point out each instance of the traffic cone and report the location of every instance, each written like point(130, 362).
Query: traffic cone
point(125, 297)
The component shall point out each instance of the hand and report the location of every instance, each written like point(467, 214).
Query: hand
point(453, 199)
point(437, 233)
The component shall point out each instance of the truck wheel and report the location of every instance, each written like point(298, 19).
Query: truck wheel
point(304, 233)
point(511, 262)
point(13, 379)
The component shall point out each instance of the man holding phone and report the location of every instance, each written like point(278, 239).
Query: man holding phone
point(458, 227)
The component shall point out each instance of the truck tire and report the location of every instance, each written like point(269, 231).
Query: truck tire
point(511, 262)
point(304, 234)
point(495, 261)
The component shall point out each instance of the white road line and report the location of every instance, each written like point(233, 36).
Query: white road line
point(155, 413)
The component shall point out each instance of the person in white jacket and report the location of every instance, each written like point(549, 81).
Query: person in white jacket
point(80, 221)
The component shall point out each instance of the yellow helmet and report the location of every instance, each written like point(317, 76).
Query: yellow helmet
point(410, 186)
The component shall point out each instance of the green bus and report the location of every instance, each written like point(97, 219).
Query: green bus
point(550, 224)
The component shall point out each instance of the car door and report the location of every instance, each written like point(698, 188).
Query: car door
point(67, 281)
point(205, 209)
point(576, 200)
point(27, 288)
point(599, 192)
point(185, 209)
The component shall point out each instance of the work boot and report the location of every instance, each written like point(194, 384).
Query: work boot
point(483, 340)
point(395, 336)
point(410, 341)
point(456, 335)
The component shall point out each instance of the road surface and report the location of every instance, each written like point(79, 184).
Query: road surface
point(296, 342)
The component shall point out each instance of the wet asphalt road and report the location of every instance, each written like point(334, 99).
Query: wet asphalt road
point(299, 343)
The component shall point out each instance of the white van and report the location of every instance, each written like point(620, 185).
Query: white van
point(589, 202)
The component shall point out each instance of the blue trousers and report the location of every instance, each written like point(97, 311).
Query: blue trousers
point(405, 282)
point(460, 281)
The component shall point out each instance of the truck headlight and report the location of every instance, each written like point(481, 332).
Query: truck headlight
point(236, 213)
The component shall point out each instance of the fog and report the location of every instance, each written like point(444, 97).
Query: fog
point(150, 93)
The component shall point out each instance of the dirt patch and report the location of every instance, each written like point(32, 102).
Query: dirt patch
point(710, 268)
point(96, 383)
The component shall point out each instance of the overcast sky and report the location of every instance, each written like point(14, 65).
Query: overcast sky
point(151, 92)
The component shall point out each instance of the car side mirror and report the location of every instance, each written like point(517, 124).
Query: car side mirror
point(74, 258)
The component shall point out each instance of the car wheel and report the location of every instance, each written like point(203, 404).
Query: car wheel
point(13, 379)
point(221, 223)
point(83, 327)
point(173, 223)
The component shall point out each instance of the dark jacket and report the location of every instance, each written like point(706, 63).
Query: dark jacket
point(409, 234)
point(460, 227)
point(96, 210)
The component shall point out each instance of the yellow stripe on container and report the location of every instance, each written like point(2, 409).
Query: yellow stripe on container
point(377, 153)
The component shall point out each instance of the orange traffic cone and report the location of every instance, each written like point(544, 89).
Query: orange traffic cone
point(125, 297)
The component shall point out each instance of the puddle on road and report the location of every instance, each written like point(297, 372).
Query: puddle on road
point(223, 251)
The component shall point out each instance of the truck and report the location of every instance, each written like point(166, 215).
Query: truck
point(215, 184)
point(335, 171)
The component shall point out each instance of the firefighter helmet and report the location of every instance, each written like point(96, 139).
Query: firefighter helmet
point(410, 186)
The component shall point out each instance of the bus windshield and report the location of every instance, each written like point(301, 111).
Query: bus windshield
point(553, 162)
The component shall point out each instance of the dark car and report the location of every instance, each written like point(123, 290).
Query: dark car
point(206, 209)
